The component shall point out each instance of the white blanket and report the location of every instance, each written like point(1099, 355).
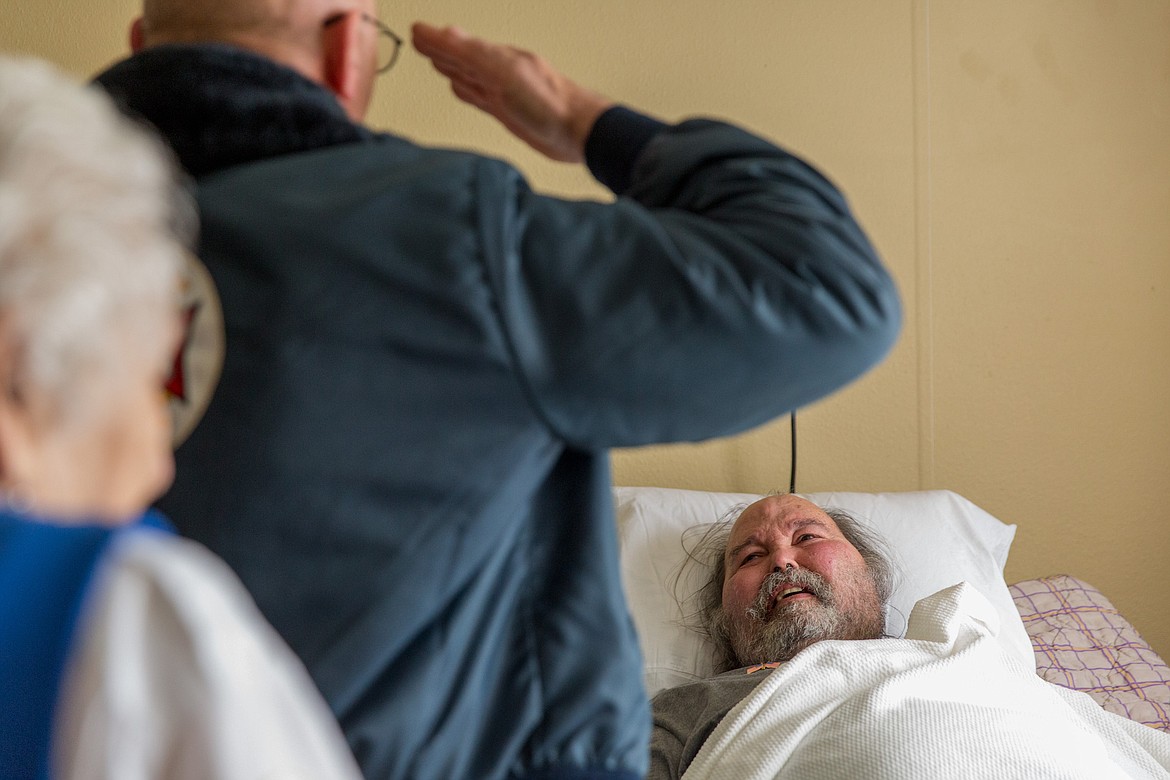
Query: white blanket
point(946, 702)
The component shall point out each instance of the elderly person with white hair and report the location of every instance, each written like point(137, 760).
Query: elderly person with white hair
point(125, 652)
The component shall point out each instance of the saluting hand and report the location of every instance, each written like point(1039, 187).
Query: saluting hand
point(542, 107)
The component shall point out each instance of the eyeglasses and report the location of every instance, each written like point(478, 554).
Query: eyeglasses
point(389, 43)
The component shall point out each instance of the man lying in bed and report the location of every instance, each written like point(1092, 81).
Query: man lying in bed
point(810, 688)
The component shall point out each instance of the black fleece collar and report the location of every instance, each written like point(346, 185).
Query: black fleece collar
point(219, 106)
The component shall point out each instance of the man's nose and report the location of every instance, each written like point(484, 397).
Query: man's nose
point(784, 560)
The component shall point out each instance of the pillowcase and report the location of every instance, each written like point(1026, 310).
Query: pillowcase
point(937, 538)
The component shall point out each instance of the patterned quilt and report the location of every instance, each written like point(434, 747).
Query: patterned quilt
point(1082, 642)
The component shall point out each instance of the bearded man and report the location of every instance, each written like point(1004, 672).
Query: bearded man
point(785, 575)
point(788, 582)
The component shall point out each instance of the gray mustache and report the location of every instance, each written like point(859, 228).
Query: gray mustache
point(800, 578)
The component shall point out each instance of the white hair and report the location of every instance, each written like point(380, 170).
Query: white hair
point(92, 233)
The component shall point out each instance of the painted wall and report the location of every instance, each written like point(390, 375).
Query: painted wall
point(1010, 161)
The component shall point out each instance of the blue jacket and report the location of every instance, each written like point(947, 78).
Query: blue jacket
point(406, 457)
point(46, 569)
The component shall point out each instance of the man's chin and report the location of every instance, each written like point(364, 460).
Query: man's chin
point(803, 604)
point(790, 628)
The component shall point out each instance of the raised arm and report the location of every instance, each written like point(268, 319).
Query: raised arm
point(729, 284)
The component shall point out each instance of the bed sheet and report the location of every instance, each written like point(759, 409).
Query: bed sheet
point(947, 701)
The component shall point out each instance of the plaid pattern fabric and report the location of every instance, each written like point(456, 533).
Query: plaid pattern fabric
point(1082, 642)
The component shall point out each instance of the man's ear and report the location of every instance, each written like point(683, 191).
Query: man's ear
point(136, 38)
point(341, 56)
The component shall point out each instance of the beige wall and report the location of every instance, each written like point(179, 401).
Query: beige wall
point(1011, 161)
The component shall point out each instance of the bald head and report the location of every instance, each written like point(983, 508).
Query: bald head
point(340, 56)
point(202, 20)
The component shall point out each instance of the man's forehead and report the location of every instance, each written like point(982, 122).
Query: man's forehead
point(782, 514)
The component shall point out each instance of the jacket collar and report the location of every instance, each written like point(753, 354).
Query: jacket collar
point(219, 106)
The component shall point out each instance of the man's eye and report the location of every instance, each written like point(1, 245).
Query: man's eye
point(805, 537)
point(749, 557)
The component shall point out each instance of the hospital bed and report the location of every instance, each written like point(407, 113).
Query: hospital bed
point(1063, 627)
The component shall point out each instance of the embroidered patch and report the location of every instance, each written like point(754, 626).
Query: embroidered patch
point(199, 359)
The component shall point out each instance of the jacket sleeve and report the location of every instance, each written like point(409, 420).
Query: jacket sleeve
point(727, 285)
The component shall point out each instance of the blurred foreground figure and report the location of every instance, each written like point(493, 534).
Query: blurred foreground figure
point(125, 652)
point(427, 362)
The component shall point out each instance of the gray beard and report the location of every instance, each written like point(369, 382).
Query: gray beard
point(761, 636)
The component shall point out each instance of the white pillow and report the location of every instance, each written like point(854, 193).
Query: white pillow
point(938, 539)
